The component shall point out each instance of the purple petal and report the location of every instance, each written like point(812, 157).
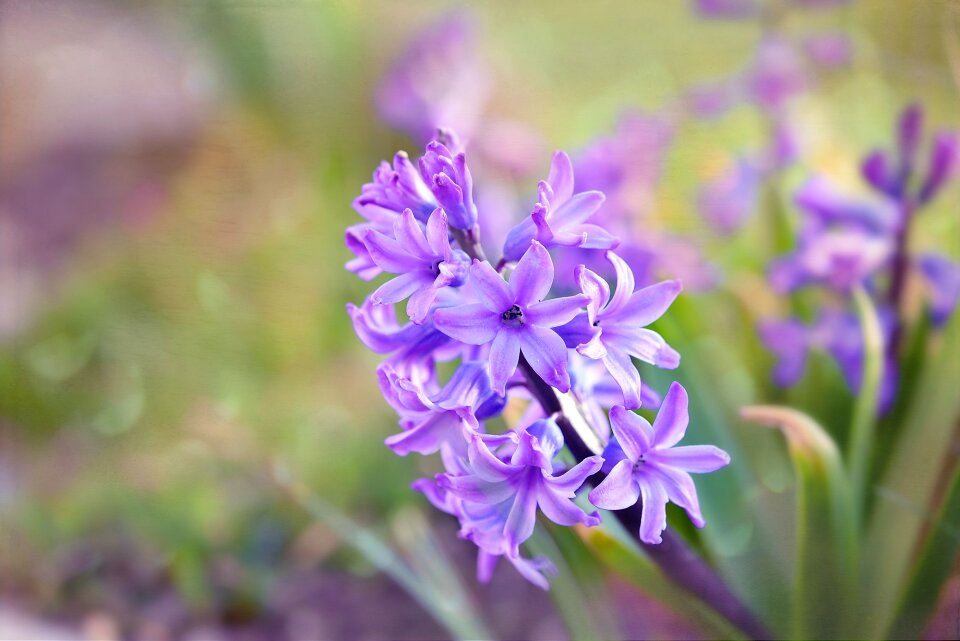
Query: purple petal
point(650, 303)
point(533, 276)
point(623, 371)
point(533, 570)
point(625, 284)
point(491, 289)
point(389, 254)
point(619, 490)
point(593, 236)
point(472, 324)
point(943, 158)
point(504, 356)
point(576, 210)
point(641, 343)
point(563, 511)
point(486, 563)
point(876, 170)
point(681, 490)
point(428, 436)
point(673, 417)
point(571, 480)
point(554, 312)
point(633, 432)
point(595, 288)
point(418, 307)
point(476, 490)
point(699, 459)
point(437, 234)
point(518, 239)
point(523, 515)
point(561, 177)
point(653, 517)
point(547, 355)
point(396, 289)
point(407, 231)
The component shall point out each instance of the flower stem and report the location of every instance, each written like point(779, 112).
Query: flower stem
point(898, 279)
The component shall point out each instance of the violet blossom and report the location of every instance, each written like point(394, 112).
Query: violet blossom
point(515, 319)
point(647, 465)
point(613, 328)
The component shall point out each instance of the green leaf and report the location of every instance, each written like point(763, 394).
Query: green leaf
point(624, 559)
point(904, 495)
point(864, 422)
point(826, 554)
point(935, 563)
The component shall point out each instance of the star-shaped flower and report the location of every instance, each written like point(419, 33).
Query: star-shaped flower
point(515, 488)
point(647, 464)
point(515, 319)
point(613, 328)
point(425, 262)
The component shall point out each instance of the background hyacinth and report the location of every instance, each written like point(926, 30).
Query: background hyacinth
point(622, 239)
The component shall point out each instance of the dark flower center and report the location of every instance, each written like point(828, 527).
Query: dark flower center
point(513, 316)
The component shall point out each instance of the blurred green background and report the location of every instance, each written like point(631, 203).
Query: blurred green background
point(175, 179)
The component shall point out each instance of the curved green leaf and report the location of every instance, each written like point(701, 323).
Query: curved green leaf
point(826, 554)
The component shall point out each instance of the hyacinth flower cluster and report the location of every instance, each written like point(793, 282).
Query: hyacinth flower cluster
point(846, 242)
point(784, 67)
point(511, 338)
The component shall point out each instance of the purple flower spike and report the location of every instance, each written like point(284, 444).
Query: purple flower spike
point(943, 277)
point(613, 329)
point(518, 486)
point(558, 217)
point(451, 184)
point(515, 319)
point(647, 464)
point(836, 258)
point(426, 262)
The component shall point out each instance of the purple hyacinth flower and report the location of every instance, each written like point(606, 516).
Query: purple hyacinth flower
point(395, 188)
point(943, 278)
point(516, 319)
point(425, 262)
point(412, 348)
point(648, 464)
point(789, 341)
point(838, 257)
point(558, 217)
point(613, 329)
point(518, 486)
point(443, 419)
point(438, 81)
point(484, 526)
point(728, 201)
point(449, 179)
point(825, 204)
